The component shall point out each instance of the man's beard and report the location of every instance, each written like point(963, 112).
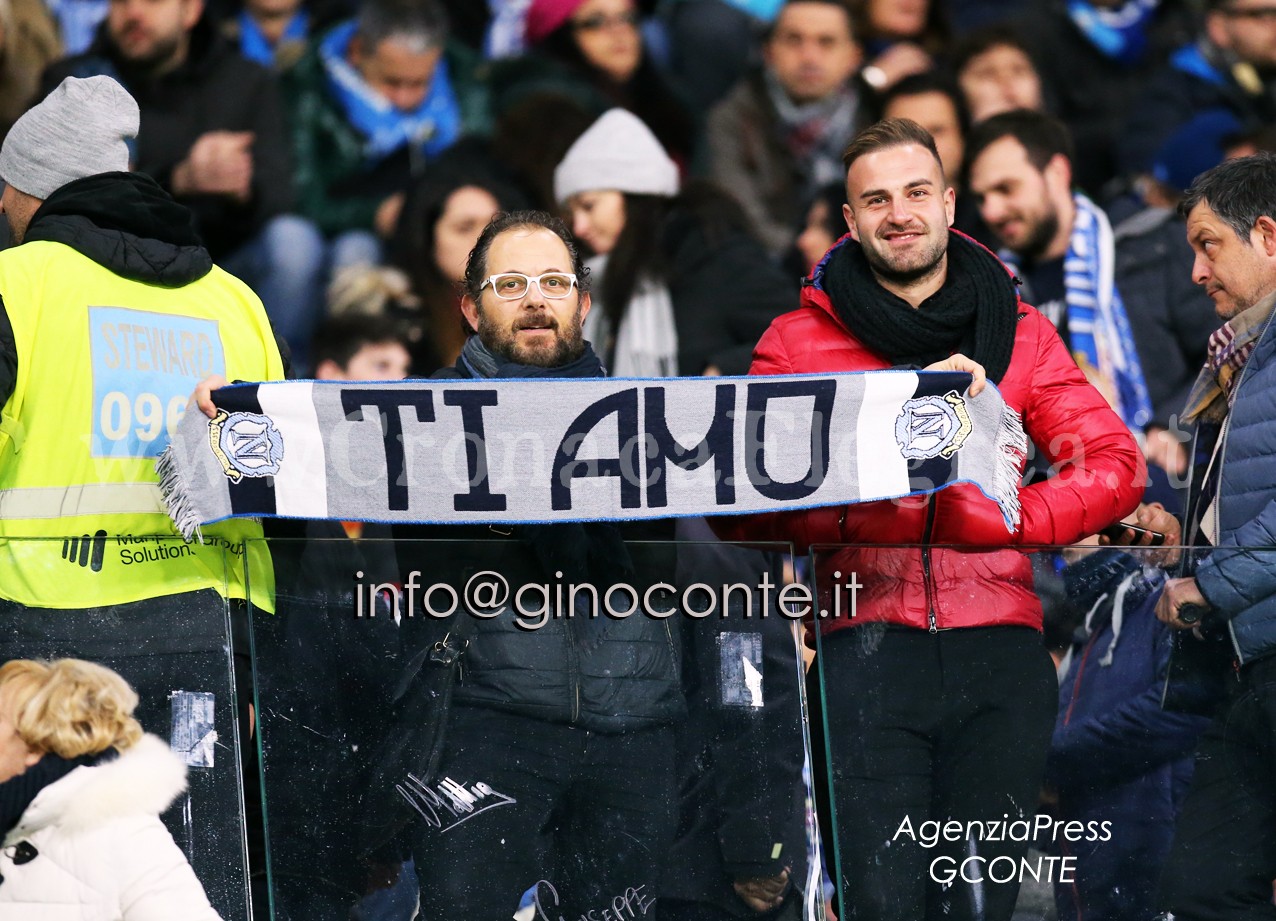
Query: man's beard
point(503, 342)
point(1042, 235)
point(159, 57)
point(906, 275)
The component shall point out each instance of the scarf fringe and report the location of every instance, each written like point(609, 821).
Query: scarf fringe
point(1012, 452)
point(177, 497)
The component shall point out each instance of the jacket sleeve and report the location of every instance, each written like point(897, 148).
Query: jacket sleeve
point(1239, 572)
point(272, 158)
point(729, 136)
point(314, 150)
point(1118, 745)
point(156, 883)
point(1102, 473)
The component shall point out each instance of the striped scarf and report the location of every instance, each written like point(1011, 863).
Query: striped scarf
point(1229, 349)
point(1098, 327)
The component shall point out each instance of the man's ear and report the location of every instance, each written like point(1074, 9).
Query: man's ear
point(1265, 227)
point(1058, 171)
point(469, 310)
point(329, 370)
point(585, 304)
point(849, 216)
point(194, 10)
point(1216, 30)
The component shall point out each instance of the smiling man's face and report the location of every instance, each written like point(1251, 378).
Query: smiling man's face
point(533, 330)
point(899, 209)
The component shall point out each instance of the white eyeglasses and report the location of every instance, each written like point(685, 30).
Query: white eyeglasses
point(511, 286)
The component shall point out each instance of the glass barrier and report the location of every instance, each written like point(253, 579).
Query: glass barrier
point(176, 652)
point(1004, 733)
point(451, 727)
point(442, 732)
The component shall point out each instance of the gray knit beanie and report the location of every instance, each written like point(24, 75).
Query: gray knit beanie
point(78, 130)
point(617, 152)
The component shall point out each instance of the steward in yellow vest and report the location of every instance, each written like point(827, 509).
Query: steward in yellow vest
point(111, 311)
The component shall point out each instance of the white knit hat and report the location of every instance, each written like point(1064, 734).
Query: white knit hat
point(617, 152)
point(79, 130)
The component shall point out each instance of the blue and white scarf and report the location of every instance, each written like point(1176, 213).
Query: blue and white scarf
point(254, 45)
point(433, 126)
point(1121, 33)
point(1098, 327)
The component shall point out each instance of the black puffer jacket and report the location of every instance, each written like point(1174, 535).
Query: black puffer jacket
point(629, 680)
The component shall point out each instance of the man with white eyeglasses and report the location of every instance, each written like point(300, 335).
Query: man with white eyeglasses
point(526, 297)
point(562, 735)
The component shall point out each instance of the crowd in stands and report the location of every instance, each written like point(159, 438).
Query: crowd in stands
point(312, 136)
point(343, 157)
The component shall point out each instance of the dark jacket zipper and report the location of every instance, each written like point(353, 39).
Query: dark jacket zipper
point(926, 578)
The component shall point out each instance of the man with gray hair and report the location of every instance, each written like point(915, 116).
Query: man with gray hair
point(374, 99)
point(1224, 855)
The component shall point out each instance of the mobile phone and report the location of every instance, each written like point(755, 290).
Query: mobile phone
point(1116, 533)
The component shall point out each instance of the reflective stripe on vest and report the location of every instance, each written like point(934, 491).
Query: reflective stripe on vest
point(89, 499)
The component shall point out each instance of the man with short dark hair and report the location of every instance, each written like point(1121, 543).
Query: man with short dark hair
point(1124, 301)
point(777, 138)
point(940, 695)
point(996, 72)
point(933, 101)
point(1224, 856)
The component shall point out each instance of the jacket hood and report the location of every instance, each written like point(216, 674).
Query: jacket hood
point(813, 294)
point(143, 781)
point(126, 223)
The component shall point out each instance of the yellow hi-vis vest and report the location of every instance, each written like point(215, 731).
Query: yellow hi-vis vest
point(105, 369)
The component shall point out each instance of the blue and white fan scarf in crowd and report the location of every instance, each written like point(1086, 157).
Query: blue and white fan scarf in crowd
point(523, 451)
point(1098, 326)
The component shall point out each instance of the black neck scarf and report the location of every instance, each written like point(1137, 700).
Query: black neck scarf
point(17, 793)
point(974, 313)
point(590, 552)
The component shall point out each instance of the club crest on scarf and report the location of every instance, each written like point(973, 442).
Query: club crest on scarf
point(246, 444)
point(933, 426)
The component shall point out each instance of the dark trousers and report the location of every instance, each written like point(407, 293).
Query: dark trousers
point(933, 727)
point(1224, 856)
point(592, 815)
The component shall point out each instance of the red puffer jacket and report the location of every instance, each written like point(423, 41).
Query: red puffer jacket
point(963, 569)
